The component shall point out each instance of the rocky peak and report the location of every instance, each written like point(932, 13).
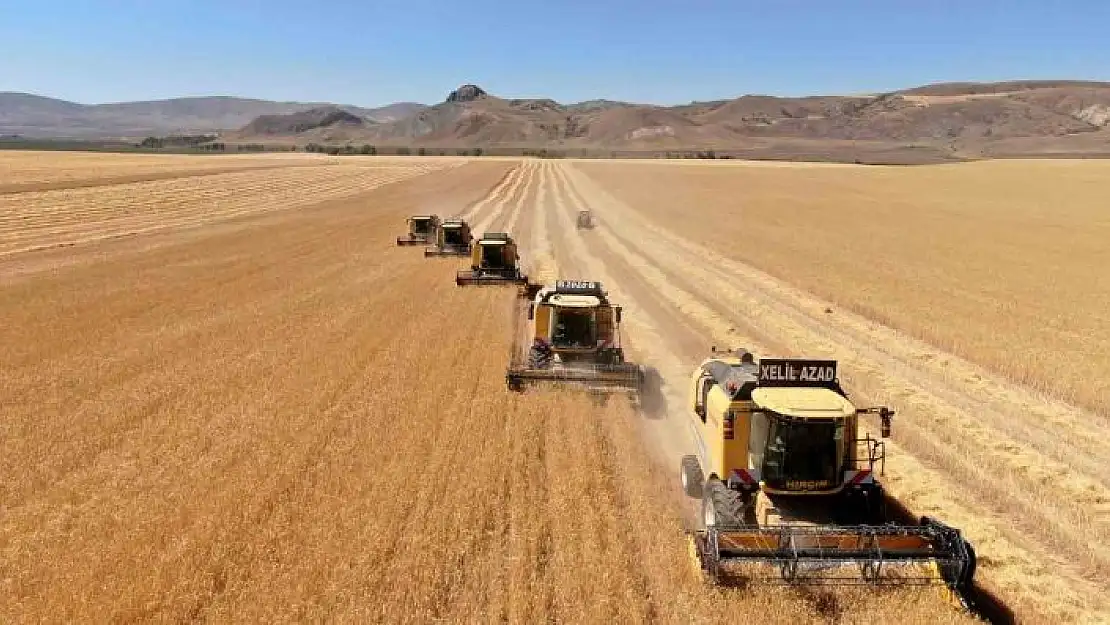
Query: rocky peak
point(467, 93)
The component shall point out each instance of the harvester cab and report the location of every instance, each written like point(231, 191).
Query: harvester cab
point(452, 239)
point(784, 429)
point(422, 230)
point(493, 260)
point(585, 220)
point(573, 337)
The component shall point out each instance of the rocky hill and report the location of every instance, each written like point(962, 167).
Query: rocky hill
point(304, 121)
point(931, 122)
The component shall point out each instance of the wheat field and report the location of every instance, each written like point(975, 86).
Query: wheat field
point(971, 298)
point(228, 397)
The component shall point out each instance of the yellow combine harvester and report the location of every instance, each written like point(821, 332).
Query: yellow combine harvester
point(452, 239)
point(574, 337)
point(493, 260)
point(786, 430)
point(422, 230)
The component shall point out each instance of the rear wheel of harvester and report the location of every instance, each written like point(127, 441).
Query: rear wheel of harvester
point(539, 359)
point(692, 478)
point(722, 505)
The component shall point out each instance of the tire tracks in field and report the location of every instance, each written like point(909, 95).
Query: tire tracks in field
point(509, 223)
point(512, 195)
point(493, 201)
point(473, 207)
point(538, 254)
point(721, 297)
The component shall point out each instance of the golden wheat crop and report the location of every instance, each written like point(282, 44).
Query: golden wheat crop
point(295, 420)
point(996, 267)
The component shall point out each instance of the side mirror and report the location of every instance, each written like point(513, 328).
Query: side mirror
point(617, 312)
point(531, 311)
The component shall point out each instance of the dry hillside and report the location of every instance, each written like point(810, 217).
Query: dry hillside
point(939, 120)
point(39, 116)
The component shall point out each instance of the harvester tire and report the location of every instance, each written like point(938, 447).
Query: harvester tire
point(721, 505)
point(692, 478)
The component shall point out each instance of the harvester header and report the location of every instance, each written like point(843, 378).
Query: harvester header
point(930, 553)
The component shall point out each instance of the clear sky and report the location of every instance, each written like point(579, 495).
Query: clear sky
point(375, 52)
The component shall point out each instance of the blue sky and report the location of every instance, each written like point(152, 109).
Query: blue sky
point(371, 53)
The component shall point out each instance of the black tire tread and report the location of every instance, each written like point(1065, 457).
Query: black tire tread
point(728, 504)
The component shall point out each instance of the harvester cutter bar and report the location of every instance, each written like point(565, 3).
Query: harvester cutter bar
point(447, 251)
point(796, 550)
point(617, 375)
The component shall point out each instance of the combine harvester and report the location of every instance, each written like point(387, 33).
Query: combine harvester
point(422, 230)
point(494, 260)
point(787, 430)
point(574, 337)
point(452, 239)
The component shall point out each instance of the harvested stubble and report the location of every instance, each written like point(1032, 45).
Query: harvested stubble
point(30, 171)
point(301, 421)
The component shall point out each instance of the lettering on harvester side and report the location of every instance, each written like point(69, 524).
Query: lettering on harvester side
point(782, 372)
point(577, 285)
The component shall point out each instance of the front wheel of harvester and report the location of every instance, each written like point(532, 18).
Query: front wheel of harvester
point(721, 506)
point(692, 478)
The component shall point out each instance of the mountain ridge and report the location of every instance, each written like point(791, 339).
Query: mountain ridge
point(946, 119)
point(34, 115)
